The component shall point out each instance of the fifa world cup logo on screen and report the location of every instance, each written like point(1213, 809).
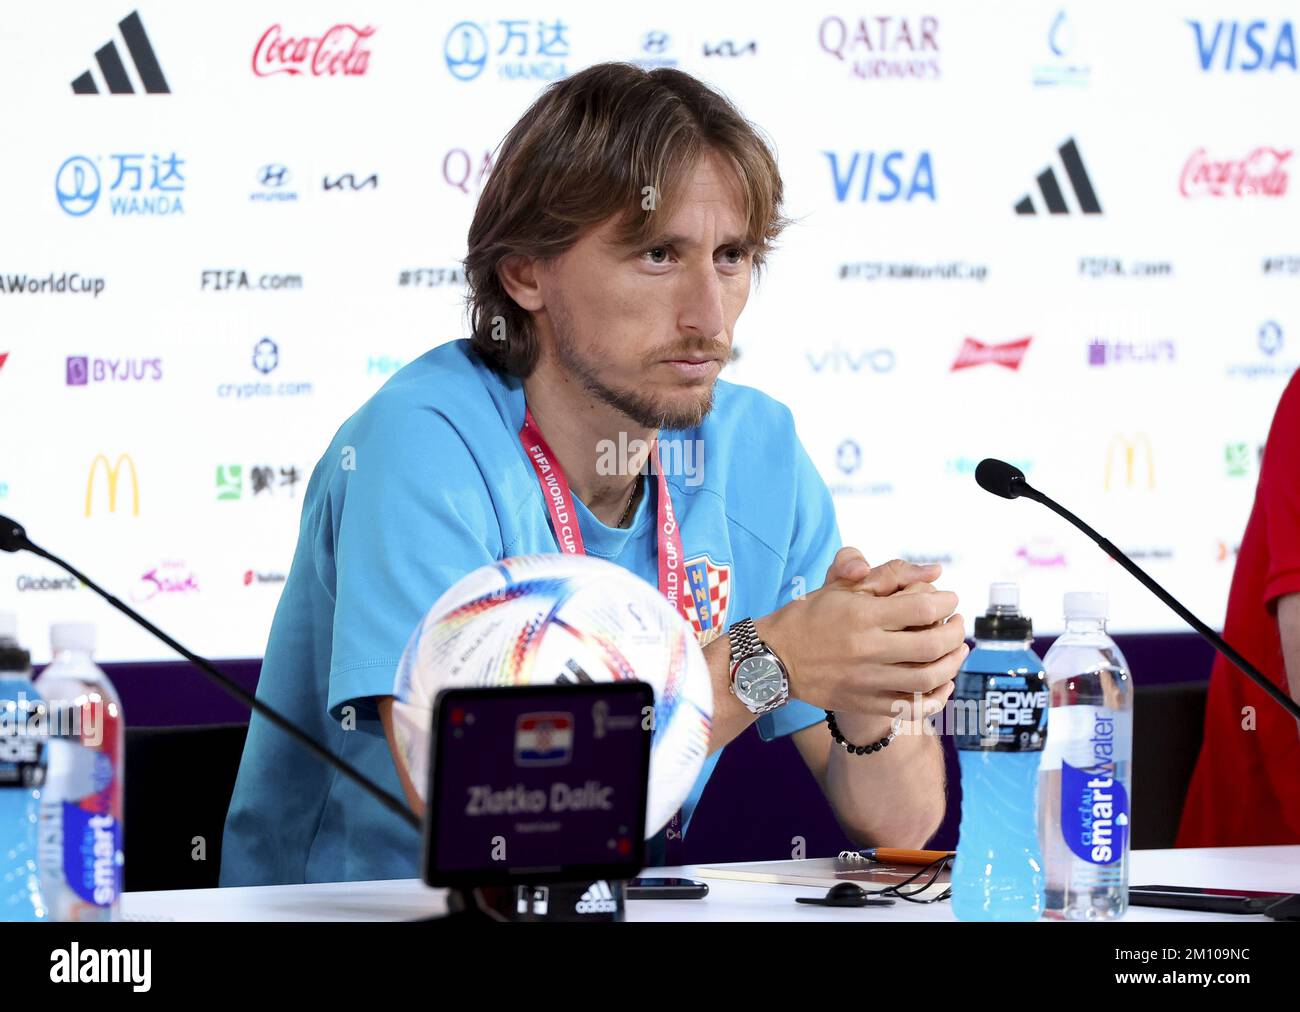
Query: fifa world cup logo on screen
point(112, 472)
point(1123, 458)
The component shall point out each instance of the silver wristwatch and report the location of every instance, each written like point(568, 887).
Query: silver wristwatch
point(758, 678)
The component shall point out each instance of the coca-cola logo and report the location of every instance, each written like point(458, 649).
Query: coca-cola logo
point(340, 50)
point(1262, 173)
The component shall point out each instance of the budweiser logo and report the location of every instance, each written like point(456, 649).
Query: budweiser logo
point(1008, 354)
point(340, 50)
point(1262, 173)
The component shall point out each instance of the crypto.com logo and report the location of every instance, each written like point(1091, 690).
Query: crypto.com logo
point(111, 473)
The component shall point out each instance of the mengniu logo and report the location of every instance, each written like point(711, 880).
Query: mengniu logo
point(973, 353)
point(340, 49)
point(1130, 463)
point(78, 185)
point(882, 177)
point(1246, 46)
point(112, 474)
point(1050, 189)
point(113, 70)
point(468, 45)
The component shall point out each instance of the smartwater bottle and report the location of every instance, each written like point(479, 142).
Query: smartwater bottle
point(1084, 782)
point(22, 772)
point(1000, 721)
point(81, 857)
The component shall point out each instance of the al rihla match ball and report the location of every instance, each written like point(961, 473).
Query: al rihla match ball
point(542, 619)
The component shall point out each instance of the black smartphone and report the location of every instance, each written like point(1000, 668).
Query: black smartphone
point(666, 889)
point(1216, 901)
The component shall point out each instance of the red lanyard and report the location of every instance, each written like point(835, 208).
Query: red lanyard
point(564, 520)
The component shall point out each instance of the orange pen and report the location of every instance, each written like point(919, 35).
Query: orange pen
point(894, 855)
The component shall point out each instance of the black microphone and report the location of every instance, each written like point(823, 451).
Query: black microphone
point(14, 538)
point(1002, 479)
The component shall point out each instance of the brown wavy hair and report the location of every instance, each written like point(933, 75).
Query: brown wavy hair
point(584, 152)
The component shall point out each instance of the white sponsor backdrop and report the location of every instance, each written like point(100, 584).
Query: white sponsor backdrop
point(216, 392)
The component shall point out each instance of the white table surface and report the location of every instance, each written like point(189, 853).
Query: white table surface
point(1270, 869)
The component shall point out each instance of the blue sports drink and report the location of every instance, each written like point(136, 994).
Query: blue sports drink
point(22, 773)
point(1001, 725)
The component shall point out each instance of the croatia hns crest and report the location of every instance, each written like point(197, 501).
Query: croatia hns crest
point(710, 589)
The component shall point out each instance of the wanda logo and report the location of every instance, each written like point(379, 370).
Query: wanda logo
point(1262, 173)
point(340, 50)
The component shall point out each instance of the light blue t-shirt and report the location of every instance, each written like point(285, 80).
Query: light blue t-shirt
point(425, 482)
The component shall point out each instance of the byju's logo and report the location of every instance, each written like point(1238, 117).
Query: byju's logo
point(1053, 198)
point(82, 371)
point(466, 50)
point(1103, 352)
point(78, 185)
point(113, 69)
point(1009, 354)
point(1247, 46)
point(349, 182)
point(273, 185)
point(340, 50)
point(885, 176)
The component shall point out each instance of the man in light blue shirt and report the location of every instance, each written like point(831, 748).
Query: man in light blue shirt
point(609, 321)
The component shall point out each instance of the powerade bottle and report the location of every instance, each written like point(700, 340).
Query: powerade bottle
point(81, 856)
point(1001, 722)
point(22, 772)
point(1084, 783)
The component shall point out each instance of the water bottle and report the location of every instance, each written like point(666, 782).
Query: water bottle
point(1084, 783)
point(81, 857)
point(1001, 719)
point(22, 772)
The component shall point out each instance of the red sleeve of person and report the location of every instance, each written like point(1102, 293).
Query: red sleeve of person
point(1246, 788)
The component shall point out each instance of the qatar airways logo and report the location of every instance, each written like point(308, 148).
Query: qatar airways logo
point(973, 353)
point(339, 50)
point(1261, 173)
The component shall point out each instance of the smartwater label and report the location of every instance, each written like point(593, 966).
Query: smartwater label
point(1091, 746)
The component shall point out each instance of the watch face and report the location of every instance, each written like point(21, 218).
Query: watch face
point(758, 680)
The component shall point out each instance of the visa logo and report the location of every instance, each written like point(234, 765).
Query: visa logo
point(885, 176)
point(1247, 46)
point(543, 739)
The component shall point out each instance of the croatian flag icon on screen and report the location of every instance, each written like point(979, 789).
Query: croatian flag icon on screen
point(543, 739)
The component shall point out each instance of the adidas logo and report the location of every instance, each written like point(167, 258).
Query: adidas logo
point(114, 71)
point(1050, 189)
point(598, 899)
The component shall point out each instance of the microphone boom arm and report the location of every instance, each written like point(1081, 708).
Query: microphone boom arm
point(1215, 640)
point(234, 689)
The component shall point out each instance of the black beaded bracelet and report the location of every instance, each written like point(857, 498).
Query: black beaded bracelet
point(852, 749)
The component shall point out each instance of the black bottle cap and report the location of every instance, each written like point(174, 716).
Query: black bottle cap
point(996, 626)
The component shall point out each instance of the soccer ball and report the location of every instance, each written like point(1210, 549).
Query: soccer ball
point(538, 619)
